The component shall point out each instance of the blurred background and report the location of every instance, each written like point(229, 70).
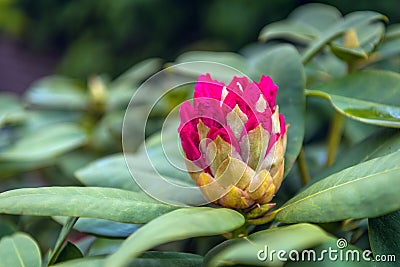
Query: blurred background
point(81, 38)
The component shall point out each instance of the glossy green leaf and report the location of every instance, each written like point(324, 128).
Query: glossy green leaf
point(288, 30)
point(369, 36)
point(93, 202)
point(19, 250)
point(11, 110)
point(45, 143)
point(279, 63)
point(388, 49)
point(247, 250)
point(366, 190)
point(316, 15)
point(379, 144)
point(303, 24)
point(62, 237)
point(57, 92)
point(177, 225)
point(355, 131)
point(352, 20)
point(104, 246)
point(324, 68)
point(230, 64)
point(384, 235)
point(98, 173)
point(84, 262)
point(148, 259)
point(110, 171)
point(101, 227)
point(164, 152)
point(38, 119)
point(69, 163)
point(368, 96)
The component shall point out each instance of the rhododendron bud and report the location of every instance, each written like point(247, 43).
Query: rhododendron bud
point(234, 140)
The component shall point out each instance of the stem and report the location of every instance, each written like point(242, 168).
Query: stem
point(334, 137)
point(304, 173)
point(336, 130)
point(242, 231)
point(263, 220)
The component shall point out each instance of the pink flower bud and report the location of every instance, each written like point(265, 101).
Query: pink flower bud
point(234, 140)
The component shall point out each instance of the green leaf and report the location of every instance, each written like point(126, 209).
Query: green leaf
point(101, 227)
point(19, 250)
point(110, 171)
point(300, 33)
point(7, 228)
point(136, 74)
point(148, 259)
point(39, 119)
point(65, 231)
point(316, 15)
point(366, 190)
point(283, 65)
point(355, 131)
point(352, 20)
point(122, 88)
point(377, 145)
point(230, 64)
point(9, 168)
point(384, 235)
point(93, 202)
point(104, 246)
point(11, 110)
point(388, 49)
point(57, 92)
point(164, 151)
point(71, 162)
point(177, 225)
point(368, 96)
point(369, 36)
point(84, 262)
point(168, 259)
point(324, 68)
point(247, 250)
point(393, 31)
point(69, 252)
point(303, 25)
point(46, 143)
point(98, 173)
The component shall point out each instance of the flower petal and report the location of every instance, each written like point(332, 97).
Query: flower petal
point(268, 89)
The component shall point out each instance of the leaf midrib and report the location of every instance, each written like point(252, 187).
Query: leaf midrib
point(334, 187)
point(95, 197)
point(18, 254)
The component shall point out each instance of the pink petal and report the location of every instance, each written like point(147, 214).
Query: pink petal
point(190, 141)
point(207, 87)
point(269, 90)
